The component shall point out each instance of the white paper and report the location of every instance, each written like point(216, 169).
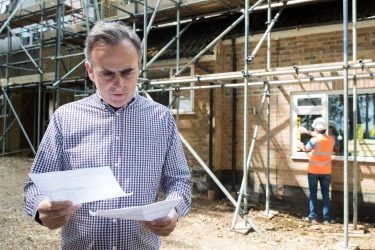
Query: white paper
point(148, 212)
point(79, 186)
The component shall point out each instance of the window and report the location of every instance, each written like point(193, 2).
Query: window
point(306, 108)
point(165, 98)
point(2, 107)
point(330, 106)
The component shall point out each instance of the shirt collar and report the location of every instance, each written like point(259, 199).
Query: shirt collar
point(129, 104)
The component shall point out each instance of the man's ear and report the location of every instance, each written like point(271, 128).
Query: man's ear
point(139, 68)
point(89, 70)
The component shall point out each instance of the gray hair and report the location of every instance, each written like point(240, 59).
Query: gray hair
point(111, 33)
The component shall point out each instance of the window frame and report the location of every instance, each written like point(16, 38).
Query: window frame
point(305, 110)
point(2, 103)
point(323, 110)
point(192, 73)
point(171, 71)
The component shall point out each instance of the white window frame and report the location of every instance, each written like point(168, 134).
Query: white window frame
point(319, 110)
point(2, 102)
point(171, 71)
point(182, 111)
point(305, 110)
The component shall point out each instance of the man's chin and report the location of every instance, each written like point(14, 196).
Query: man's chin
point(119, 103)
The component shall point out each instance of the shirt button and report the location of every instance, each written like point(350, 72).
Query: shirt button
point(117, 114)
point(114, 248)
point(116, 164)
point(114, 220)
point(117, 137)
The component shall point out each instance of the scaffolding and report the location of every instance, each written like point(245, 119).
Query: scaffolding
point(63, 25)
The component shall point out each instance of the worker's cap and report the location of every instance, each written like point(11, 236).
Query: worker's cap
point(332, 124)
point(319, 124)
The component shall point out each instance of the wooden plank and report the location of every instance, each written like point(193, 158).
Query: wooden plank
point(31, 14)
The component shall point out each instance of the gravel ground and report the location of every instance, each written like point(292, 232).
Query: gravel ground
point(206, 227)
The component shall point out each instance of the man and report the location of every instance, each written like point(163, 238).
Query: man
point(115, 127)
point(332, 126)
point(319, 170)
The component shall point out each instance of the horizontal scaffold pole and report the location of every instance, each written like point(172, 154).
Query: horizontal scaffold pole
point(239, 74)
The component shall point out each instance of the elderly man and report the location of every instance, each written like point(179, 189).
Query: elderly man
point(116, 127)
point(320, 149)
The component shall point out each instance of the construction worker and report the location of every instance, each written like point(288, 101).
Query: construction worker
point(332, 130)
point(320, 148)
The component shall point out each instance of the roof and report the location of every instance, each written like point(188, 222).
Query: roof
point(204, 31)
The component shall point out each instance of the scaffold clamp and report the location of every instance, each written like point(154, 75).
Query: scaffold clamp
point(249, 58)
point(198, 78)
point(295, 67)
point(244, 74)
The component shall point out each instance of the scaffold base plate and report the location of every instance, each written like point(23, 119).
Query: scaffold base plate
point(241, 228)
point(341, 246)
point(268, 216)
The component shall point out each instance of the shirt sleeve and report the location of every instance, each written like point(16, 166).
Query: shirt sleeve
point(310, 144)
point(176, 179)
point(47, 159)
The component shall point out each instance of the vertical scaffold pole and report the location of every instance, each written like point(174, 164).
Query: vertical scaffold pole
point(269, 15)
point(145, 34)
point(243, 190)
point(355, 113)
point(346, 132)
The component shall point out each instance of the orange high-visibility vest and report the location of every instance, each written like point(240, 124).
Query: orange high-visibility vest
point(320, 159)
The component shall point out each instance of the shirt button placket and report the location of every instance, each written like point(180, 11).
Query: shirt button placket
point(116, 164)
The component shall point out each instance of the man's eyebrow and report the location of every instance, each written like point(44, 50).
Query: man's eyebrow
point(107, 71)
point(126, 70)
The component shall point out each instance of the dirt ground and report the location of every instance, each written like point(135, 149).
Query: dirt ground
point(206, 227)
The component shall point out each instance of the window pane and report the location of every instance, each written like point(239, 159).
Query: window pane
point(185, 95)
point(160, 97)
point(365, 122)
point(305, 102)
point(305, 121)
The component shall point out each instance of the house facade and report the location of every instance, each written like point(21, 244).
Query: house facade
point(212, 119)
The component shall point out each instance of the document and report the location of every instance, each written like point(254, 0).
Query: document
point(148, 212)
point(79, 186)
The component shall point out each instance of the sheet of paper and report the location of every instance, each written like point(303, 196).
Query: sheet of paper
point(148, 212)
point(79, 186)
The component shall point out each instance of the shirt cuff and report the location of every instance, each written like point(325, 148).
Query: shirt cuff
point(38, 200)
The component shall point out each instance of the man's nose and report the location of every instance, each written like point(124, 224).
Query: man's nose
point(118, 80)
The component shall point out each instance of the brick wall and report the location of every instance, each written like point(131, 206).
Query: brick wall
point(316, 49)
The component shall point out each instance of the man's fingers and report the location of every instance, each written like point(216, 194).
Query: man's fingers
point(56, 223)
point(48, 205)
point(54, 214)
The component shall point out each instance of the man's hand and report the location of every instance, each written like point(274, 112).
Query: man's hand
point(301, 146)
point(303, 130)
point(55, 214)
point(163, 226)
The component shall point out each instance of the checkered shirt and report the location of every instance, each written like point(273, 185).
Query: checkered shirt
point(139, 142)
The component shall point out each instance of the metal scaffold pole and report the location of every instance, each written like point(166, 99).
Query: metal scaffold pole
point(243, 190)
point(346, 117)
point(144, 41)
point(269, 15)
point(355, 114)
